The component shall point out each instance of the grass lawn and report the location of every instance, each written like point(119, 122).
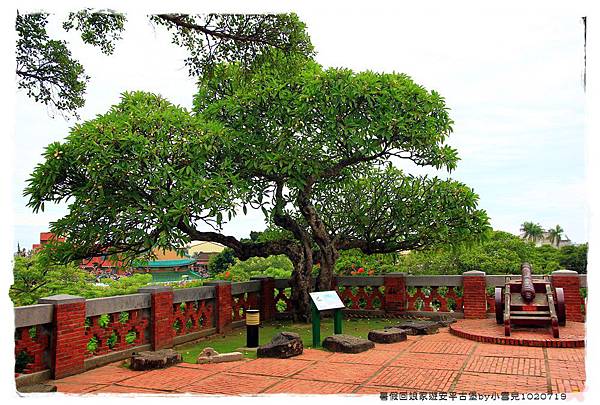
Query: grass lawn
point(237, 338)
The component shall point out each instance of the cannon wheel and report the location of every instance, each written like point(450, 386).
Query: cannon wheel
point(499, 306)
point(560, 307)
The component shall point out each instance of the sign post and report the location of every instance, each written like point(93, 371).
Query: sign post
point(322, 301)
point(316, 326)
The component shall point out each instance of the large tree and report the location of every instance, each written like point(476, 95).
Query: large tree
point(48, 72)
point(311, 147)
point(316, 129)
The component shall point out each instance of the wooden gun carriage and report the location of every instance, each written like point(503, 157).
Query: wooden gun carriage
point(529, 301)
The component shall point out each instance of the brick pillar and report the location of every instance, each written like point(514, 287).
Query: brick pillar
point(161, 316)
point(223, 305)
point(568, 280)
point(474, 295)
point(395, 292)
point(68, 341)
point(267, 297)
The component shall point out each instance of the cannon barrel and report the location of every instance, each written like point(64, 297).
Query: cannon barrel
point(527, 288)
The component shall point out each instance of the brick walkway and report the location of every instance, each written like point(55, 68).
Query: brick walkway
point(440, 362)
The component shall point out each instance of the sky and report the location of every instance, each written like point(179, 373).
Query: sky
point(513, 85)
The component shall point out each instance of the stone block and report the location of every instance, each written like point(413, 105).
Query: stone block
point(37, 388)
point(210, 355)
point(347, 344)
point(445, 321)
point(417, 327)
point(150, 360)
point(282, 346)
point(391, 335)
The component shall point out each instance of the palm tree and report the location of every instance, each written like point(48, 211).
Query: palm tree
point(532, 232)
point(555, 234)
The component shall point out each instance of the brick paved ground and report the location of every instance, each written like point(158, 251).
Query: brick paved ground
point(441, 362)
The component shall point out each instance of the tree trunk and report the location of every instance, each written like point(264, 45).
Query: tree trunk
point(301, 284)
point(301, 287)
point(329, 256)
point(329, 253)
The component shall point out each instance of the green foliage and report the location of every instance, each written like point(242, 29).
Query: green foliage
point(176, 325)
point(215, 38)
point(45, 68)
point(502, 253)
point(304, 120)
point(123, 317)
point(112, 340)
point(555, 234)
point(22, 359)
point(130, 336)
point(221, 262)
point(389, 211)
point(273, 266)
point(574, 258)
point(305, 144)
point(104, 163)
point(532, 231)
point(92, 344)
point(101, 29)
point(350, 261)
point(38, 277)
point(49, 74)
point(103, 321)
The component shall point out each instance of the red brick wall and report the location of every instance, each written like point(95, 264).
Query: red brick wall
point(395, 292)
point(162, 320)
point(569, 282)
point(68, 345)
point(267, 298)
point(474, 295)
point(223, 307)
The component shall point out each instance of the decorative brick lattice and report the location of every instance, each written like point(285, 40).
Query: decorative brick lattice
point(241, 302)
point(192, 316)
point(362, 297)
point(283, 303)
point(434, 299)
point(31, 344)
point(115, 332)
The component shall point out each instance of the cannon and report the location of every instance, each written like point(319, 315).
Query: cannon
point(530, 301)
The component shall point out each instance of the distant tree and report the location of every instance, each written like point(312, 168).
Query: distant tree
point(574, 257)
point(38, 276)
point(48, 73)
point(500, 253)
point(35, 276)
point(532, 231)
point(273, 266)
point(221, 262)
point(555, 235)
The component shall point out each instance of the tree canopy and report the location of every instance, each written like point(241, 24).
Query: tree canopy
point(532, 231)
point(311, 147)
point(49, 74)
point(316, 129)
point(555, 235)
